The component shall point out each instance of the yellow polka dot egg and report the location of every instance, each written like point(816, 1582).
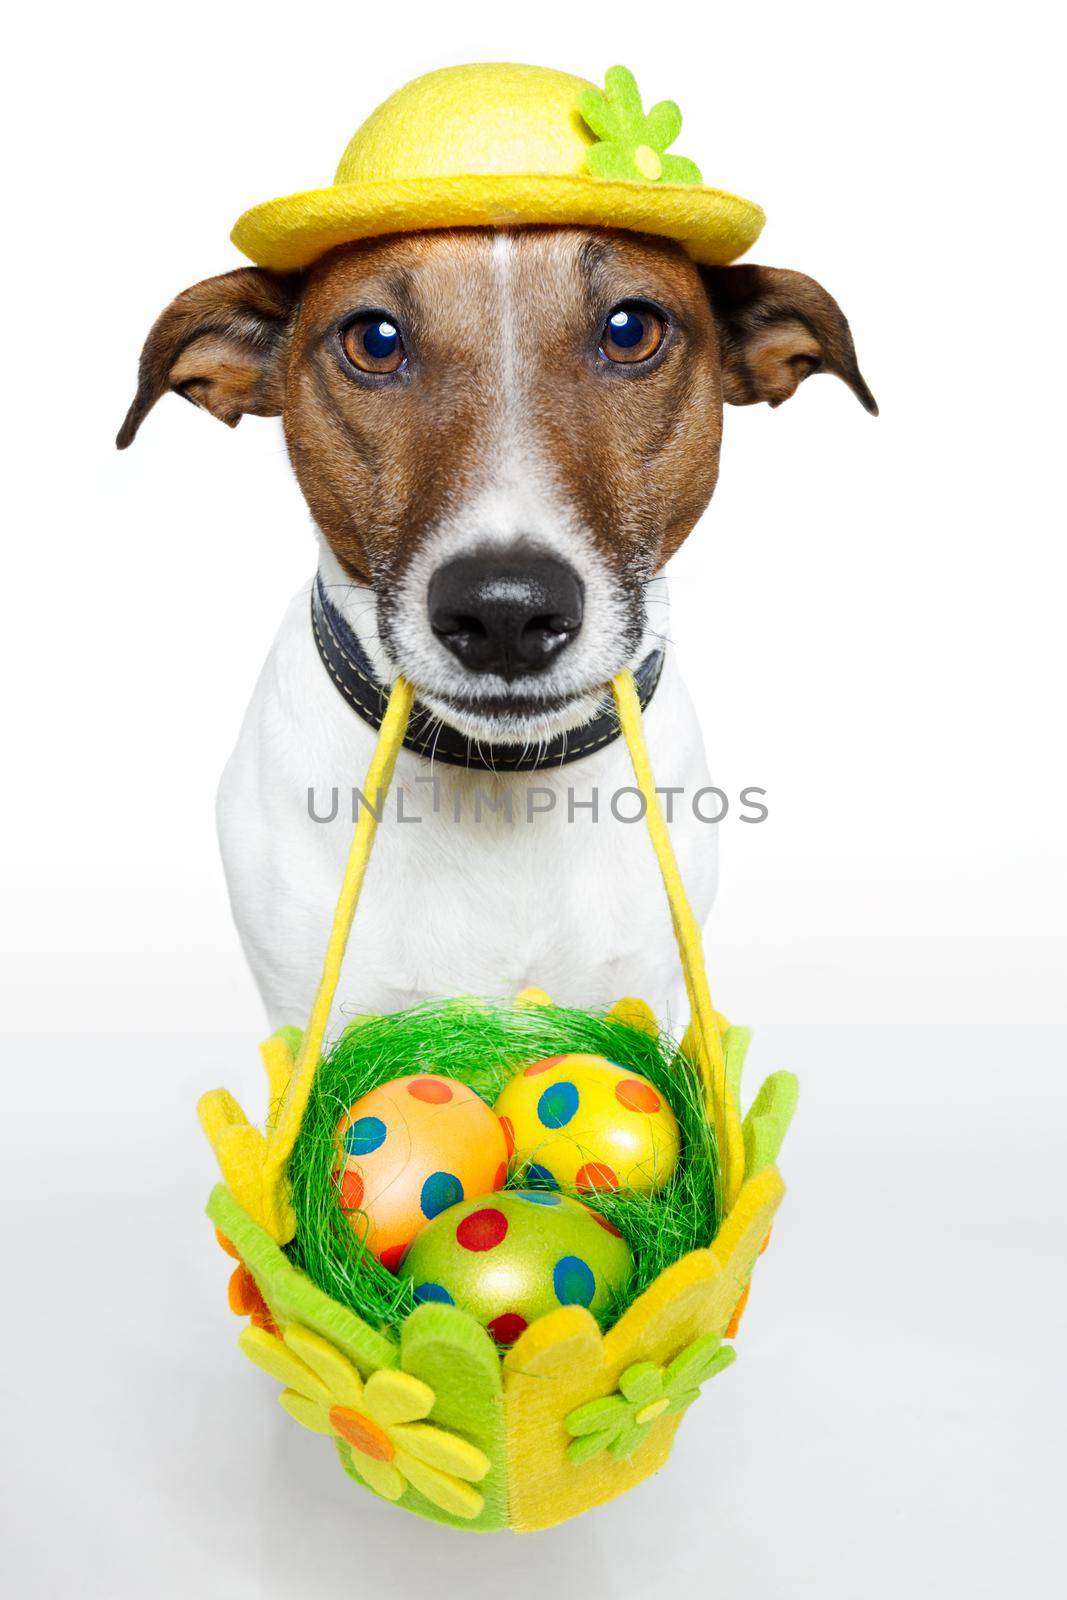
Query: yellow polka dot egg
point(582, 1122)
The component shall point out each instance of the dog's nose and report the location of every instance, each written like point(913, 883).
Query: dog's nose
point(505, 614)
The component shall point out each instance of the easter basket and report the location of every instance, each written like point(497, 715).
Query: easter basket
point(423, 1405)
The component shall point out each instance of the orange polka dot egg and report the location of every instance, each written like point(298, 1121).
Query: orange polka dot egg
point(409, 1149)
point(582, 1122)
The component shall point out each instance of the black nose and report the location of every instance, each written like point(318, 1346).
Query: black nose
point(505, 614)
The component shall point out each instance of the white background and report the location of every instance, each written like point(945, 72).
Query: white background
point(871, 619)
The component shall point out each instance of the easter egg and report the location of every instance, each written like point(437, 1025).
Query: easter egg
point(510, 1257)
point(582, 1122)
point(409, 1149)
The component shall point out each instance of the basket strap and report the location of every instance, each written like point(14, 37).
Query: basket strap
point(704, 1028)
point(286, 1125)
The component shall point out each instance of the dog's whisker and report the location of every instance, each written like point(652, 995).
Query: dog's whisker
point(440, 721)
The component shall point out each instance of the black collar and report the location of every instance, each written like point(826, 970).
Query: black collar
point(346, 661)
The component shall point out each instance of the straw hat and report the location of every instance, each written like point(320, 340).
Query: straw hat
point(498, 145)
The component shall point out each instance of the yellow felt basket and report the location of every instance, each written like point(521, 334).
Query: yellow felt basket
point(430, 1415)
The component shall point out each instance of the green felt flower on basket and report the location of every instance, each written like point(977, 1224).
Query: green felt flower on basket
point(630, 144)
point(646, 1392)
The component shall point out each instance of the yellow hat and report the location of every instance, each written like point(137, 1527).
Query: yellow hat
point(499, 146)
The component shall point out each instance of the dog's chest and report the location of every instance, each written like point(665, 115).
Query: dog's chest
point(478, 885)
point(489, 904)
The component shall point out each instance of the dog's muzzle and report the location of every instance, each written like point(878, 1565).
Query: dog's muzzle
point(353, 676)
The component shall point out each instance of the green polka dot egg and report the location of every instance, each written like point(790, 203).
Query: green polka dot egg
point(581, 1122)
point(508, 1258)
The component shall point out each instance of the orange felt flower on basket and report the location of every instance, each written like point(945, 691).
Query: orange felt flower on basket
point(243, 1292)
point(739, 1309)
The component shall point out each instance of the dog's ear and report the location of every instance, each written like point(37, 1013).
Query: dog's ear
point(223, 345)
point(776, 328)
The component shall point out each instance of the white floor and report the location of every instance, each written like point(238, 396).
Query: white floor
point(893, 1425)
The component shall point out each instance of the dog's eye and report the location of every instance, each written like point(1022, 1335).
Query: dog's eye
point(632, 333)
point(373, 344)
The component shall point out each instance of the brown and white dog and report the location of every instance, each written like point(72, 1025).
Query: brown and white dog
point(502, 438)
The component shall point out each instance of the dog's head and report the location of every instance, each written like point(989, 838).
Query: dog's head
point(504, 435)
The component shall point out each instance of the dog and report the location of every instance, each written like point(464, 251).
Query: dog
point(502, 436)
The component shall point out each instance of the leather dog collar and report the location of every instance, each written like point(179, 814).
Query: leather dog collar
point(346, 661)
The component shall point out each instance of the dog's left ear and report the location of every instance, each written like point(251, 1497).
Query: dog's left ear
point(776, 328)
point(222, 344)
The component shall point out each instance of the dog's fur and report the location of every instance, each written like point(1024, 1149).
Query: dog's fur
point(506, 432)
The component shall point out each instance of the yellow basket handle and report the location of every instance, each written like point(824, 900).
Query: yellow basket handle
point(704, 1038)
point(705, 1041)
point(290, 1115)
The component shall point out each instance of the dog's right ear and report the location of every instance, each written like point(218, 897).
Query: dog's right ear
point(223, 345)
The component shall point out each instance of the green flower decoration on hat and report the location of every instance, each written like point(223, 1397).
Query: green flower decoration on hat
point(622, 1421)
point(630, 145)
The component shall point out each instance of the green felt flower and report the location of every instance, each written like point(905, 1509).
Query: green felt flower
point(631, 145)
point(646, 1392)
